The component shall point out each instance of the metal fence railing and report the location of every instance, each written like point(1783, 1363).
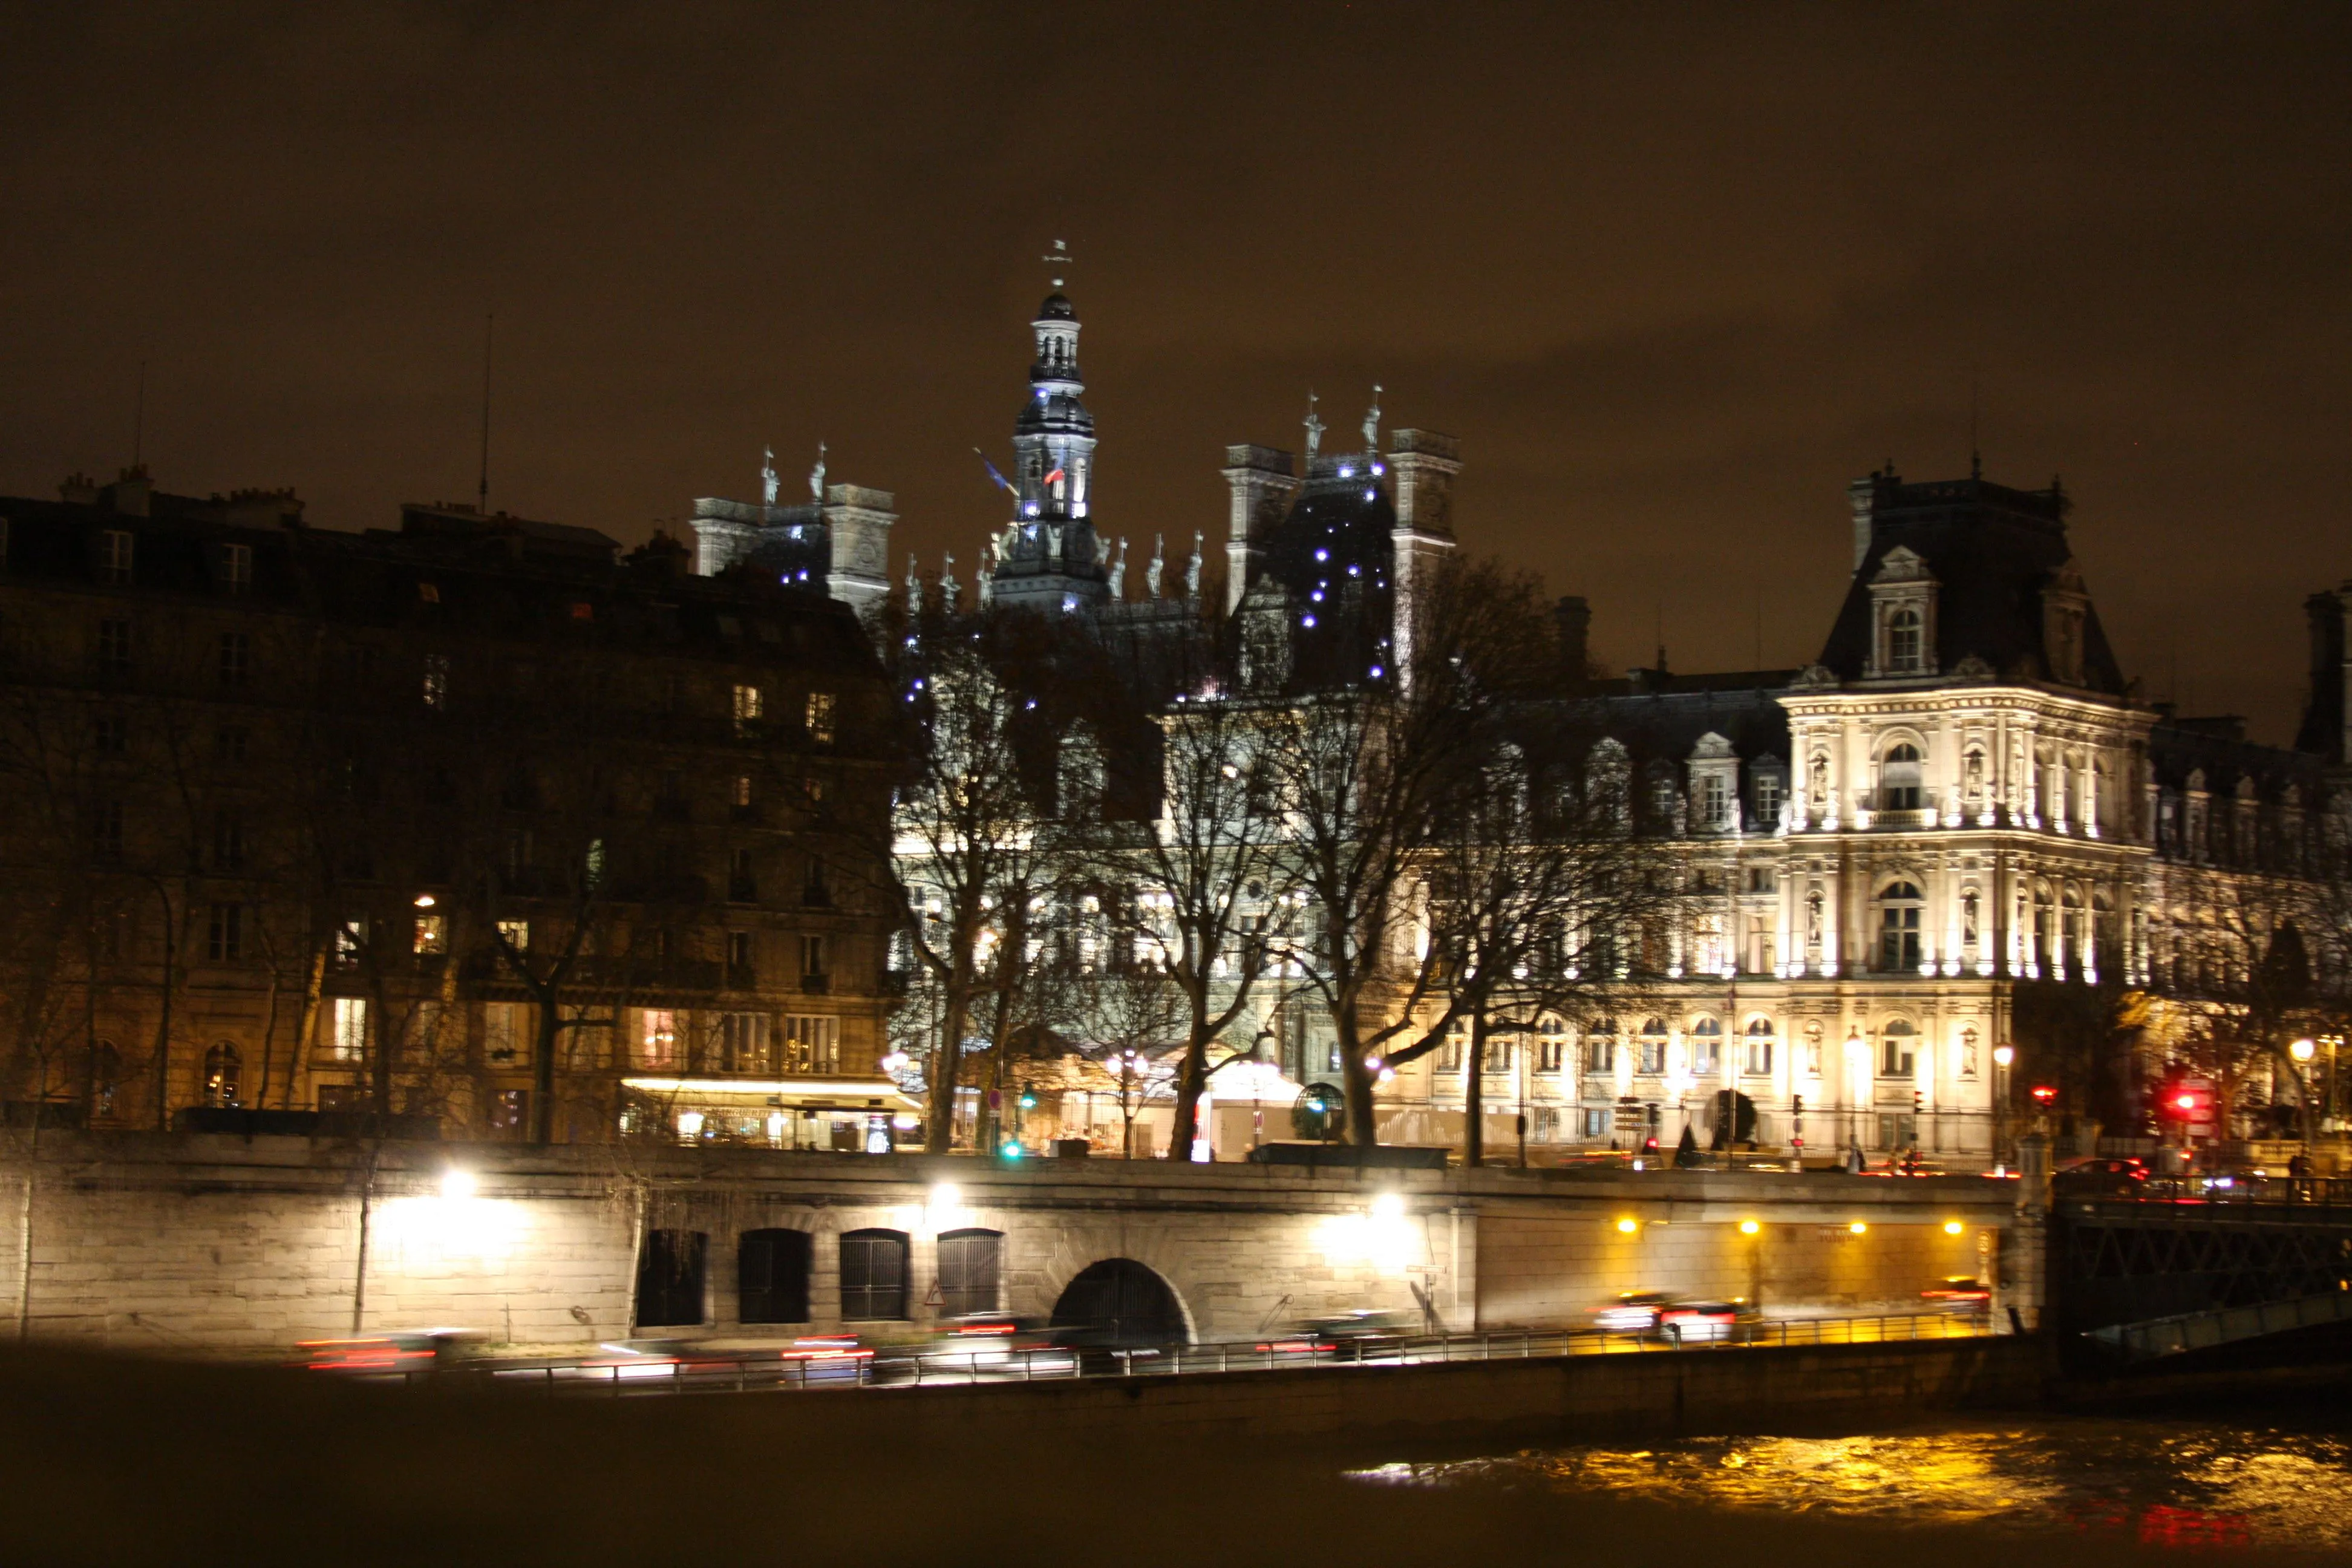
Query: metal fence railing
point(2234, 1191)
point(835, 1365)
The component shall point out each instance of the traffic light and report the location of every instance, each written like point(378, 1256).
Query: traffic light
point(2187, 1101)
point(1028, 1100)
point(1918, 1103)
point(1796, 1105)
point(2044, 1095)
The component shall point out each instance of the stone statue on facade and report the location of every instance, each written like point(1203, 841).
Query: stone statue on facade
point(768, 477)
point(1193, 569)
point(1372, 421)
point(948, 589)
point(1314, 428)
point(914, 587)
point(1159, 565)
point(817, 476)
point(1119, 572)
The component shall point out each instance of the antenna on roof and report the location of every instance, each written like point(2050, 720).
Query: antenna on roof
point(482, 490)
point(139, 418)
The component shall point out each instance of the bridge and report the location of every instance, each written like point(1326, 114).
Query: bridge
point(213, 1243)
point(2184, 1263)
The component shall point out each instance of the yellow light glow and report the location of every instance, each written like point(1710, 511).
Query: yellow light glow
point(1389, 1205)
point(1749, 1227)
point(1952, 1227)
point(1857, 1227)
point(1629, 1226)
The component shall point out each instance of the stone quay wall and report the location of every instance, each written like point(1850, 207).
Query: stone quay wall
point(213, 1243)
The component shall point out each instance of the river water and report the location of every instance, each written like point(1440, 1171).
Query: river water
point(2168, 1484)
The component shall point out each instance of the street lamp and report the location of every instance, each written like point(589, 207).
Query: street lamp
point(1857, 1053)
point(2303, 1051)
point(2002, 1054)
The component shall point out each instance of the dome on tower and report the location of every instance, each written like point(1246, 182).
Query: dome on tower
point(1057, 308)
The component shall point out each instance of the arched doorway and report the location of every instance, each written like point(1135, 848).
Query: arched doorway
point(1117, 1304)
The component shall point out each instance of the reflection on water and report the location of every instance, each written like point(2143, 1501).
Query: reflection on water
point(2193, 1484)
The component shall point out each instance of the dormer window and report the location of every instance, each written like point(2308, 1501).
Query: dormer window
point(1902, 612)
point(1903, 642)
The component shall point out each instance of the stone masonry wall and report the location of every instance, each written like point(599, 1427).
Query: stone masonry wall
point(149, 1243)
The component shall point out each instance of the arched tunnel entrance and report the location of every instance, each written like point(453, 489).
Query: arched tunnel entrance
point(1119, 1304)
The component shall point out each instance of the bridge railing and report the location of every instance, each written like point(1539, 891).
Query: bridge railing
point(2235, 1190)
point(838, 1366)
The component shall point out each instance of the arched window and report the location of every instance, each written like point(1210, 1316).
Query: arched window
point(1898, 1043)
point(1900, 909)
point(224, 1075)
point(1652, 1057)
point(1706, 1047)
point(1899, 779)
point(1903, 642)
point(873, 1274)
point(2070, 930)
point(772, 1277)
point(1759, 1060)
point(970, 1264)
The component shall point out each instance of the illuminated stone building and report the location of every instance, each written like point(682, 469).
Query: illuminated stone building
point(302, 819)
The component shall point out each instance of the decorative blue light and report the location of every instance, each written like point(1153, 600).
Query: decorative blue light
point(1322, 555)
point(1307, 621)
point(1346, 472)
point(1377, 672)
point(1368, 495)
point(1379, 469)
point(1316, 596)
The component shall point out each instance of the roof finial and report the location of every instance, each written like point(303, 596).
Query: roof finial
point(1314, 427)
point(1372, 421)
point(1058, 259)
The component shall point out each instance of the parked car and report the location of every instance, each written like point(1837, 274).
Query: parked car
point(1958, 1293)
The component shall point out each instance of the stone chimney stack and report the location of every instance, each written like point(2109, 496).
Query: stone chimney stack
point(2326, 728)
point(1423, 465)
point(1262, 480)
point(857, 525)
point(1422, 469)
point(1574, 618)
point(1862, 496)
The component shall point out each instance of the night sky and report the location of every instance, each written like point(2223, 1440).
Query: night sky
point(1673, 275)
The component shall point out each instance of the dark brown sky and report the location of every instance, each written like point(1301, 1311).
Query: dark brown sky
point(1673, 275)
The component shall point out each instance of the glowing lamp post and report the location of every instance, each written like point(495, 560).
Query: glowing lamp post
point(2303, 1051)
point(2002, 1054)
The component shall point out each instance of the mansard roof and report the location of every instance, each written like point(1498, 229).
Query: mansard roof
point(1993, 553)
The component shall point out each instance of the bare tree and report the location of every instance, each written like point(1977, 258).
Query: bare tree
point(1200, 895)
point(1366, 776)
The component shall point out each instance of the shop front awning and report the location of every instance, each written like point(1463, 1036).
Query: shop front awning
point(807, 1094)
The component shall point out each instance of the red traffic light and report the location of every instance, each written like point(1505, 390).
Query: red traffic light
point(2043, 1093)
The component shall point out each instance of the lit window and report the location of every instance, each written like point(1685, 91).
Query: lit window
point(657, 1037)
point(818, 719)
point(432, 933)
point(812, 1043)
point(749, 704)
point(1895, 1048)
point(236, 568)
point(437, 680)
point(347, 1029)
